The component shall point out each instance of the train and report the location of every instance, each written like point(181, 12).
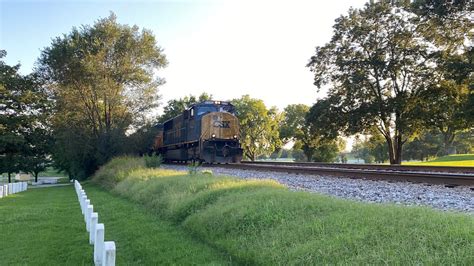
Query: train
point(206, 132)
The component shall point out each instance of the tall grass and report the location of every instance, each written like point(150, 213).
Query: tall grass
point(262, 222)
point(116, 170)
point(153, 161)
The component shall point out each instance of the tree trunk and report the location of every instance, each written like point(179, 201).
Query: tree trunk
point(394, 149)
point(448, 138)
point(391, 155)
point(9, 177)
point(398, 149)
point(36, 177)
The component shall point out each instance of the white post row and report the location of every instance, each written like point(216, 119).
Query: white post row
point(12, 188)
point(104, 251)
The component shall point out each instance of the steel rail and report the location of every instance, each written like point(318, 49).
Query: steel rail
point(448, 179)
point(449, 169)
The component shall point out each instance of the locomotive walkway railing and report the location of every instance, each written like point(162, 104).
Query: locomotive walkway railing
point(12, 188)
point(104, 251)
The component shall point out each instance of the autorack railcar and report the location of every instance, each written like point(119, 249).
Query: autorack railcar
point(206, 132)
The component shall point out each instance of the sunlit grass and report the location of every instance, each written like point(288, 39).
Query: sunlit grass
point(262, 222)
point(45, 227)
point(450, 160)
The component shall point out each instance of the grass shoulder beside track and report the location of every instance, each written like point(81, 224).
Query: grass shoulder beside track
point(261, 222)
point(450, 160)
point(45, 227)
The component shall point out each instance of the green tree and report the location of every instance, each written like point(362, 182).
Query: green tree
point(176, 106)
point(328, 150)
point(104, 83)
point(424, 146)
point(141, 141)
point(258, 127)
point(316, 147)
point(24, 109)
point(447, 24)
point(448, 113)
point(293, 128)
point(361, 150)
point(378, 63)
point(293, 125)
point(37, 153)
point(464, 141)
point(13, 121)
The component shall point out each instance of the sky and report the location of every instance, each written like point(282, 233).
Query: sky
point(225, 48)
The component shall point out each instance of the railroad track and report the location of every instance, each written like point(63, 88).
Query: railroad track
point(449, 169)
point(464, 176)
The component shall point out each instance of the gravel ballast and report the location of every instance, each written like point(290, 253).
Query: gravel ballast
point(437, 196)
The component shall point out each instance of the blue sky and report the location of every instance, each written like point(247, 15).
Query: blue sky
point(226, 48)
point(28, 26)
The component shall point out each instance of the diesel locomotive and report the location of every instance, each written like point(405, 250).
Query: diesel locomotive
point(205, 132)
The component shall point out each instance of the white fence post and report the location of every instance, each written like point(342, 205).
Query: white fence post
point(99, 244)
point(83, 201)
point(109, 254)
point(87, 202)
point(89, 211)
point(94, 221)
point(1, 191)
point(5, 190)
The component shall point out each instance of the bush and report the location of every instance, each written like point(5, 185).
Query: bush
point(153, 161)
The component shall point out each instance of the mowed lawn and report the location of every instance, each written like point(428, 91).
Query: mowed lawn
point(45, 227)
point(450, 160)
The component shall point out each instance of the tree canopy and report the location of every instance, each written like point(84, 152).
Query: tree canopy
point(24, 122)
point(315, 146)
point(258, 127)
point(378, 64)
point(104, 83)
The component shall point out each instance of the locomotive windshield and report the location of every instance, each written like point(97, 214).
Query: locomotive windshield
point(206, 109)
point(201, 110)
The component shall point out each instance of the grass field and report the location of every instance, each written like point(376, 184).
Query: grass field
point(45, 227)
point(261, 222)
point(450, 160)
